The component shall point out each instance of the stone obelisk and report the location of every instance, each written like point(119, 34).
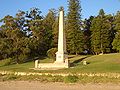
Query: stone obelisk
point(61, 54)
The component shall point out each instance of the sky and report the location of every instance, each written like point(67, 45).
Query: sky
point(89, 7)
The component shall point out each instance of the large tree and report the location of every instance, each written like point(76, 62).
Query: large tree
point(116, 41)
point(55, 29)
point(73, 27)
point(36, 28)
point(12, 41)
point(87, 33)
point(48, 21)
point(101, 33)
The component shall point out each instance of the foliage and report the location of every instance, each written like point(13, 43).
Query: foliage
point(14, 43)
point(87, 33)
point(51, 53)
point(102, 33)
point(25, 36)
point(48, 21)
point(36, 32)
point(34, 13)
point(55, 29)
point(116, 41)
point(5, 62)
point(71, 79)
point(73, 29)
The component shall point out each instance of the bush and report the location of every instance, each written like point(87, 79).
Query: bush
point(19, 59)
point(71, 79)
point(5, 62)
point(51, 53)
point(9, 77)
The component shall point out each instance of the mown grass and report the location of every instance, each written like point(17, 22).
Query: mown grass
point(98, 63)
point(102, 63)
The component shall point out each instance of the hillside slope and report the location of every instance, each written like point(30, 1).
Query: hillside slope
point(100, 63)
point(97, 63)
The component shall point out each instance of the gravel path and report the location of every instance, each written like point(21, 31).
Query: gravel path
point(25, 85)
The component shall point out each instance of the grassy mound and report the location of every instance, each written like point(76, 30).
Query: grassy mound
point(98, 63)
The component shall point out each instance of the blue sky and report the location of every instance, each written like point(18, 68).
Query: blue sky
point(89, 7)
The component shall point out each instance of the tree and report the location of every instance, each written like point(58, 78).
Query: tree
point(87, 33)
point(5, 46)
point(20, 50)
point(27, 35)
point(101, 33)
point(116, 41)
point(74, 33)
point(20, 19)
point(34, 13)
point(101, 13)
point(13, 42)
point(55, 29)
point(48, 21)
point(37, 32)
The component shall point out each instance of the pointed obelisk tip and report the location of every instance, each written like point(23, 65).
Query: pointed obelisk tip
point(61, 8)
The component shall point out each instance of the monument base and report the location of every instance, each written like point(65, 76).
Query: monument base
point(51, 66)
point(60, 63)
point(61, 57)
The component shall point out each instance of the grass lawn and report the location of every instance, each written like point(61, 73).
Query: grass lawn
point(98, 63)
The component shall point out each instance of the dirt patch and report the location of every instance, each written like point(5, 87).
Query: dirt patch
point(35, 85)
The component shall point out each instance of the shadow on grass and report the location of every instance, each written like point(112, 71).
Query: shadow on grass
point(76, 62)
point(71, 56)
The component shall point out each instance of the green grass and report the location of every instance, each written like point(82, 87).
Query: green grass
point(102, 63)
point(18, 67)
point(98, 63)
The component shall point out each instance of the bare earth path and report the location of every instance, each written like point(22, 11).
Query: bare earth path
point(25, 85)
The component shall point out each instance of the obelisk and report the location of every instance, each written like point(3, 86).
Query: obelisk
point(61, 54)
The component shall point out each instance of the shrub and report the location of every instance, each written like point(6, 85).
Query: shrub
point(51, 53)
point(56, 79)
point(9, 77)
point(5, 62)
point(71, 79)
point(18, 59)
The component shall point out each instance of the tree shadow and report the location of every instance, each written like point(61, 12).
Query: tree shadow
point(72, 56)
point(75, 63)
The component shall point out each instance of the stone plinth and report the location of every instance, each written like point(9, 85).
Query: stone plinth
point(52, 66)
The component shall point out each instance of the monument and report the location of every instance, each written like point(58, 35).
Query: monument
point(61, 54)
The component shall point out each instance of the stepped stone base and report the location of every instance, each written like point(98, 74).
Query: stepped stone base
point(51, 66)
